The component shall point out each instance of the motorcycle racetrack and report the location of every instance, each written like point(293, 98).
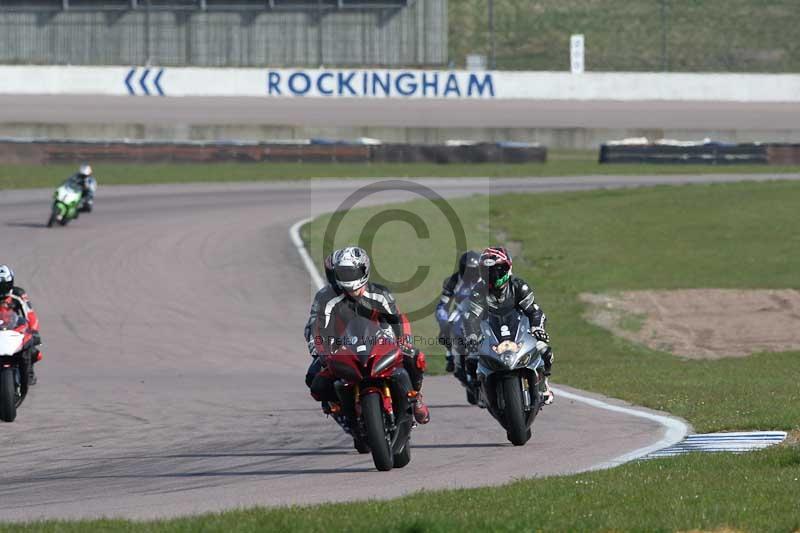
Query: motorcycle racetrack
point(172, 382)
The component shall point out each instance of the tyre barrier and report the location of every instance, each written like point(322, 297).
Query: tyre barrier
point(675, 152)
point(26, 151)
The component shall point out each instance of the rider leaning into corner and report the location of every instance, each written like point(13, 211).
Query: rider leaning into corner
point(499, 291)
point(455, 288)
point(87, 184)
point(350, 293)
point(16, 299)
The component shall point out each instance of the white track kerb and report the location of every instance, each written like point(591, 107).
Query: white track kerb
point(674, 429)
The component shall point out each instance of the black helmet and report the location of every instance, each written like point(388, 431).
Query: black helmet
point(6, 280)
point(495, 267)
point(468, 266)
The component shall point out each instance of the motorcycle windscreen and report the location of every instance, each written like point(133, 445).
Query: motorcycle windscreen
point(10, 319)
point(67, 194)
point(362, 336)
point(507, 326)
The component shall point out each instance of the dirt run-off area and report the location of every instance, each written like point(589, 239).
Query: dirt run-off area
point(702, 323)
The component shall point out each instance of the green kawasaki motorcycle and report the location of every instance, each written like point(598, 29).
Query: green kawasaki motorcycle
point(66, 203)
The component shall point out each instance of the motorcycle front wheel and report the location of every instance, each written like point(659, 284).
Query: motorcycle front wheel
point(53, 217)
point(8, 393)
point(514, 412)
point(404, 457)
point(372, 412)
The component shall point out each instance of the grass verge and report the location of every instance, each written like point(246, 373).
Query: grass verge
point(560, 164)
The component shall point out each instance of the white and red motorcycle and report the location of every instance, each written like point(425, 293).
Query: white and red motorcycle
point(16, 340)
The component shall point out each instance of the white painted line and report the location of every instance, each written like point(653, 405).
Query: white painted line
point(675, 429)
point(294, 233)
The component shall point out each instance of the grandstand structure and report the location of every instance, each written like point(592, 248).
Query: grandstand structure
point(221, 33)
point(205, 5)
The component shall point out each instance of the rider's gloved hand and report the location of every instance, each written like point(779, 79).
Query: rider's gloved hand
point(540, 335)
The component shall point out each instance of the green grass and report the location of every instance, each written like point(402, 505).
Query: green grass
point(633, 322)
point(755, 492)
point(632, 35)
point(560, 164)
point(721, 236)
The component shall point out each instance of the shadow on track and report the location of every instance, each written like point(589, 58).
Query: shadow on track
point(26, 224)
point(215, 473)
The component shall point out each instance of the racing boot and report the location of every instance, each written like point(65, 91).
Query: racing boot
point(360, 444)
point(450, 365)
point(548, 392)
point(548, 365)
point(421, 412)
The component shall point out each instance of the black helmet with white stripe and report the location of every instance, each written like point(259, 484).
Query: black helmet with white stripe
point(351, 268)
point(6, 280)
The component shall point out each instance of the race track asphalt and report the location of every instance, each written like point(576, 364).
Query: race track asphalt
point(174, 361)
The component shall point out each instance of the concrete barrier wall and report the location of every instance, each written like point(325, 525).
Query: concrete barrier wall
point(359, 83)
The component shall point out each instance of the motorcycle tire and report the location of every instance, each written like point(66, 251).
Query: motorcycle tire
point(472, 398)
point(514, 413)
point(404, 457)
point(52, 219)
point(8, 393)
point(372, 412)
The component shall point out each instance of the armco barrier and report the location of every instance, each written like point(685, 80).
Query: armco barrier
point(710, 153)
point(17, 151)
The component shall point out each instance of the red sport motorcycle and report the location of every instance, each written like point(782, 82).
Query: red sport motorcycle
point(374, 390)
point(15, 342)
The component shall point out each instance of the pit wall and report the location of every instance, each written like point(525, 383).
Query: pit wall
point(156, 81)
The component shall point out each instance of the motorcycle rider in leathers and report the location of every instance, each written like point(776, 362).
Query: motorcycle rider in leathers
point(499, 290)
point(455, 288)
point(84, 180)
point(355, 295)
point(16, 299)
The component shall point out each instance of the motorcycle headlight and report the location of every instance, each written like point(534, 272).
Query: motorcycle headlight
point(525, 359)
point(506, 346)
